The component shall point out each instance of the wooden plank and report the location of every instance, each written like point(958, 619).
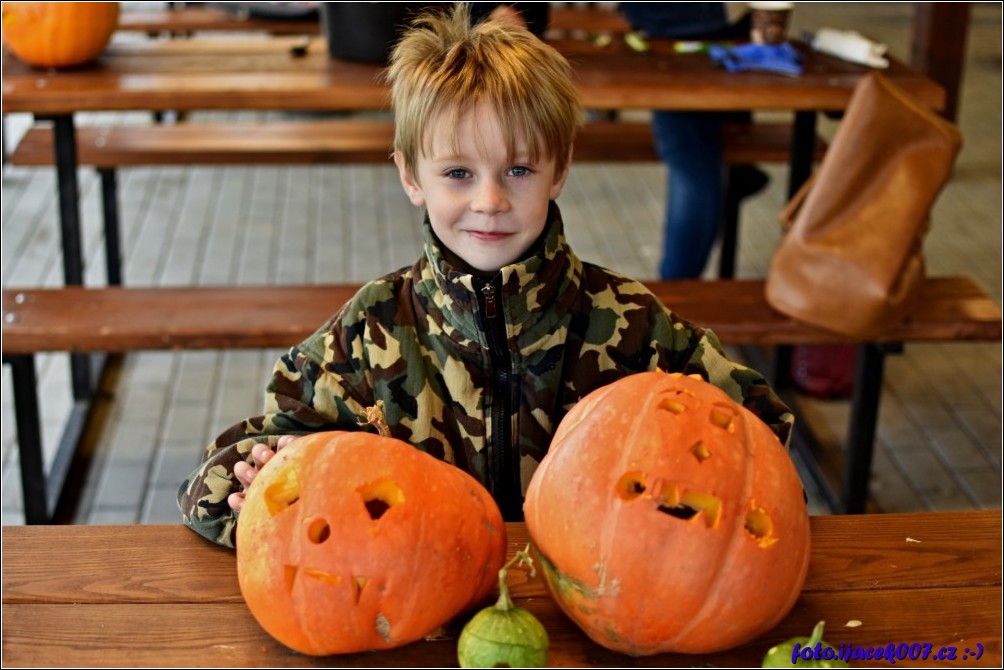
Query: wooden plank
point(225, 634)
point(210, 19)
point(351, 141)
point(116, 319)
point(882, 551)
point(328, 141)
point(950, 550)
point(270, 74)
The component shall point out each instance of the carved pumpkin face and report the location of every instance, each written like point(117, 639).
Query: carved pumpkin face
point(348, 541)
point(668, 518)
point(58, 34)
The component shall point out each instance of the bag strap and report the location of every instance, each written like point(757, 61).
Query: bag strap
point(790, 211)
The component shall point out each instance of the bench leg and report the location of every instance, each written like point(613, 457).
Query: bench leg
point(110, 210)
point(41, 490)
point(68, 190)
point(864, 417)
point(29, 438)
point(730, 227)
point(65, 149)
point(803, 145)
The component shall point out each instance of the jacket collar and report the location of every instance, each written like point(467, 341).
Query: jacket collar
point(536, 290)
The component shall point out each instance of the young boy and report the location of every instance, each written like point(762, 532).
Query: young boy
point(479, 349)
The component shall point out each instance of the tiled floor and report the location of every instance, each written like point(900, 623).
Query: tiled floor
point(939, 439)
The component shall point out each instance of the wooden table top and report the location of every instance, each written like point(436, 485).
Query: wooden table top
point(265, 74)
point(162, 596)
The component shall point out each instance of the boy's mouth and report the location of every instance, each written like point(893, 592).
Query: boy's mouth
point(488, 236)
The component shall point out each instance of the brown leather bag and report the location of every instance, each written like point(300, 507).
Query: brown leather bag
point(853, 253)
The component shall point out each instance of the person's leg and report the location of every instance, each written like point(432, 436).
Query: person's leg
point(690, 144)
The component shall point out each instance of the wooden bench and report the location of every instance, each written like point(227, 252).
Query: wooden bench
point(119, 320)
point(345, 141)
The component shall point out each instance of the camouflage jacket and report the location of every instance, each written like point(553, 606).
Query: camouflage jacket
point(475, 372)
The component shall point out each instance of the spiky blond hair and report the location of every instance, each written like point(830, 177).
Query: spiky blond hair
point(443, 64)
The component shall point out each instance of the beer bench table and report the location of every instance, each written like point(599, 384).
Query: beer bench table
point(141, 596)
point(119, 320)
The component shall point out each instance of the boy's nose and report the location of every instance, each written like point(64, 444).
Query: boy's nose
point(490, 198)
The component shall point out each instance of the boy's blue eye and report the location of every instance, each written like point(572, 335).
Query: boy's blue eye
point(457, 173)
point(520, 171)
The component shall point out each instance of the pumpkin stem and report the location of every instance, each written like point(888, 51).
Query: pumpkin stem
point(817, 634)
point(375, 417)
point(521, 558)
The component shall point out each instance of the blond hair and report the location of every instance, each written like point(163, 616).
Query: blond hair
point(444, 64)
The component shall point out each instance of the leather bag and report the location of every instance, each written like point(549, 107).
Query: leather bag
point(852, 256)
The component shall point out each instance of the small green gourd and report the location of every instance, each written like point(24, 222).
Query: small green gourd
point(784, 656)
point(503, 635)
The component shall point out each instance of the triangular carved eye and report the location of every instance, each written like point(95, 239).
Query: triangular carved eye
point(283, 491)
point(380, 496)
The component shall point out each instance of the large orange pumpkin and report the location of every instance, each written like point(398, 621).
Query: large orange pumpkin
point(58, 34)
point(668, 518)
point(349, 541)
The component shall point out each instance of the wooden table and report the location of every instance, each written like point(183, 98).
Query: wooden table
point(139, 596)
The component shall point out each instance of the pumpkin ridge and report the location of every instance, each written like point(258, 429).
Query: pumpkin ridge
point(607, 540)
point(727, 556)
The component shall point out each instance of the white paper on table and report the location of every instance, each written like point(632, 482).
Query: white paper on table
point(850, 46)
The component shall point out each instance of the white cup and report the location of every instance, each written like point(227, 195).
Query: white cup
point(769, 21)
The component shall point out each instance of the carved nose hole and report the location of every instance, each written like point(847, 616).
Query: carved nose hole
point(318, 531)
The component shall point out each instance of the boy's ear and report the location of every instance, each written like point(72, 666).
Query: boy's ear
point(411, 186)
point(560, 177)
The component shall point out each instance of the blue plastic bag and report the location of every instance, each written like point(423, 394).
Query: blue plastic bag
point(779, 58)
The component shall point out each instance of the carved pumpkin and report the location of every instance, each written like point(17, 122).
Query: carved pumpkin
point(58, 34)
point(668, 518)
point(349, 541)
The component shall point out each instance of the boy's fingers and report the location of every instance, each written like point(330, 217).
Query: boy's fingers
point(236, 501)
point(244, 473)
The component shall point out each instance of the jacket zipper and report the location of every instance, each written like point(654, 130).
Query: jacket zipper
point(503, 473)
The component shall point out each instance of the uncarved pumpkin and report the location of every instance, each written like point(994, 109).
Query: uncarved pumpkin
point(58, 34)
point(668, 518)
point(349, 541)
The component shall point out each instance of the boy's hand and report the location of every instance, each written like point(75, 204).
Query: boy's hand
point(245, 473)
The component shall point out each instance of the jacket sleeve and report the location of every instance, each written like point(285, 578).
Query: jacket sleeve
point(308, 392)
point(697, 351)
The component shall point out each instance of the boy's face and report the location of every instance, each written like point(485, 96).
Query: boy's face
point(484, 208)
